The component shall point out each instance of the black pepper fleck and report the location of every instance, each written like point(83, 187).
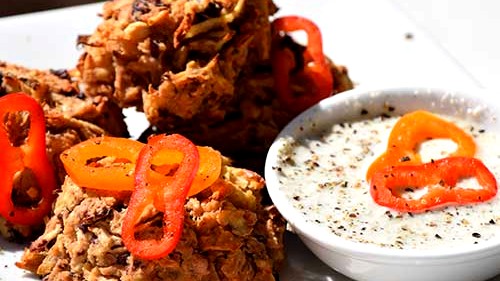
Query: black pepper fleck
point(388, 214)
point(405, 158)
point(476, 235)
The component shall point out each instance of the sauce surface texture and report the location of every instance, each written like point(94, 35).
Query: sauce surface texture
point(323, 175)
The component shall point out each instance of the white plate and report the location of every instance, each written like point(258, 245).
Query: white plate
point(379, 45)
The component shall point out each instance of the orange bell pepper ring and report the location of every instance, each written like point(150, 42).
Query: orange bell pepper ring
point(440, 177)
point(316, 72)
point(410, 131)
point(103, 163)
point(109, 162)
point(208, 172)
point(32, 155)
point(168, 196)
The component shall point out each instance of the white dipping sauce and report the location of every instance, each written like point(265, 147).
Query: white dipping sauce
point(324, 177)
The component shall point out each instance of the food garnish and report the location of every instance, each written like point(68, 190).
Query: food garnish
point(167, 193)
point(161, 174)
point(86, 162)
point(315, 74)
point(440, 177)
point(28, 156)
point(109, 162)
point(208, 172)
point(410, 131)
point(400, 167)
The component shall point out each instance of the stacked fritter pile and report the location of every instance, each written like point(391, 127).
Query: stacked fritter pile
point(199, 68)
point(70, 118)
point(228, 235)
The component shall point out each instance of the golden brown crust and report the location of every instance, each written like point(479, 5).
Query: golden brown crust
point(228, 235)
point(58, 92)
point(70, 117)
point(175, 59)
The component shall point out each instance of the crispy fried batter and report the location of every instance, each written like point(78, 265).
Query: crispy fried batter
point(228, 235)
point(58, 92)
point(70, 118)
point(175, 59)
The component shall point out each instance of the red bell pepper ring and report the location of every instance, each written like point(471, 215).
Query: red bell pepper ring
point(440, 177)
point(166, 193)
point(316, 73)
point(31, 155)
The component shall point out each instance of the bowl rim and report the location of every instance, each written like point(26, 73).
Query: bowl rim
point(307, 230)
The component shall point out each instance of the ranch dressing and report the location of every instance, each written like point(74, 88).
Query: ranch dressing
point(324, 178)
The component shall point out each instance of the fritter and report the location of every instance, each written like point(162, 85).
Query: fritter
point(228, 234)
point(175, 60)
point(70, 118)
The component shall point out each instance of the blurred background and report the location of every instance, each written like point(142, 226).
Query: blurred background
point(13, 7)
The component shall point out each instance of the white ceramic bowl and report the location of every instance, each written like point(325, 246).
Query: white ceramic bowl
point(370, 262)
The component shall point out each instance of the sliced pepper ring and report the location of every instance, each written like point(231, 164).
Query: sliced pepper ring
point(410, 131)
point(80, 163)
point(167, 196)
point(440, 177)
point(316, 69)
point(31, 154)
